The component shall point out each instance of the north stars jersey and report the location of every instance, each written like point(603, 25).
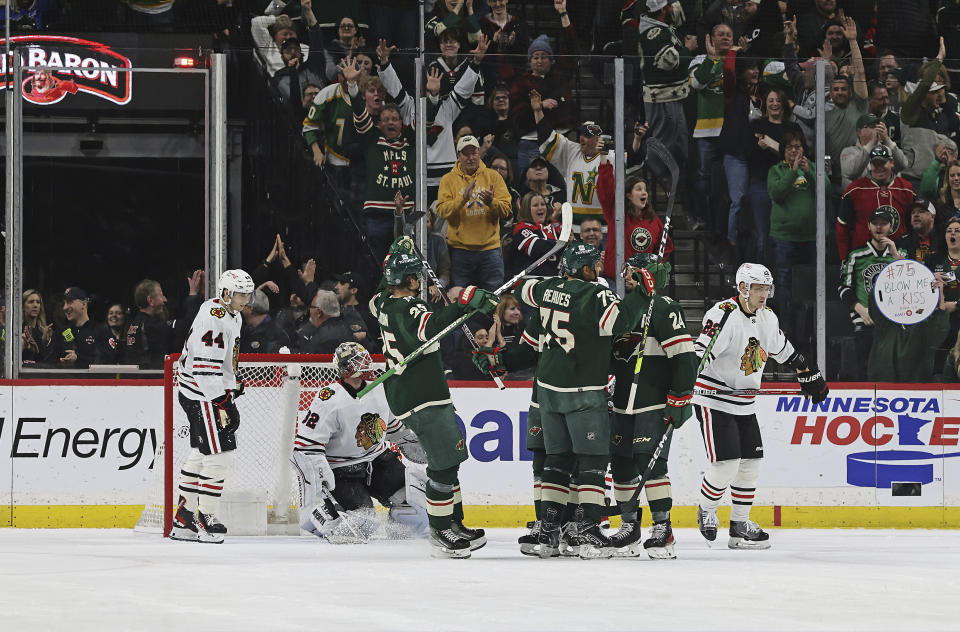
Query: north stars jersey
point(579, 172)
point(738, 356)
point(325, 120)
point(579, 320)
point(344, 429)
point(406, 323)
point(669, 361)
point(208, 364)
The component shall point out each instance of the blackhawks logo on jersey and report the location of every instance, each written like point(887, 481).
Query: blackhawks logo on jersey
point(370, 430)
point(753, 358)
point(219, 312)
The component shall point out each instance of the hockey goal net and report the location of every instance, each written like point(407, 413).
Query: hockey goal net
point(260, 496)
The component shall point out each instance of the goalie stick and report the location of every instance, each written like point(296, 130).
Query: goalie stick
point(567, 227)
point(446, 301)
point(615, 510)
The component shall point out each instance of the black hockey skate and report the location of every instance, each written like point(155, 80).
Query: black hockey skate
point(447, 543)
point(708, 523)
point(476, 537)
point(530, 541)
point(594, 544)
point(626, 541)
point(184, 526)
point(569, 540)
point(549, 539)
point(209, 529)
point(660, 544)
point(747, 535)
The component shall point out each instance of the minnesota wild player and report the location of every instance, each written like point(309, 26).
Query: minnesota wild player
point(418, 395)
point(664, 391)
point(579, 320)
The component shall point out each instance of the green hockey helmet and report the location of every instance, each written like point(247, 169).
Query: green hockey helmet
point(659, 270)
point(577, 255)
point(400, 266)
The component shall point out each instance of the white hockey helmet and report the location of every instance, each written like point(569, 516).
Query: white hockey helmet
point(235, 282)
point(750, 273)
point(352, 360)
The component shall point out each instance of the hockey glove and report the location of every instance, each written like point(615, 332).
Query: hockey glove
point(475, 298)
point(813, 385)
point(402, 244)
point(223, 406)
point(409, 445)
point(653, 277)
point(237, 392)
point(489, 360)
point(678, 409)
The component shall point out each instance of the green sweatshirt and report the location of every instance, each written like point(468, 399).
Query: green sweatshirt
point(794, 195)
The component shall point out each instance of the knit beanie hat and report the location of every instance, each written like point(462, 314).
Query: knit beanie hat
point(541, 43)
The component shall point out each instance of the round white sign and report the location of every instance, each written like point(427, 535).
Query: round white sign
point(904, 292)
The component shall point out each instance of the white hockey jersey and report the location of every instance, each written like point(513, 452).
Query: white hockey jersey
point(579, 173)
point(344, 429)
point(738, 356)
point(208, 364)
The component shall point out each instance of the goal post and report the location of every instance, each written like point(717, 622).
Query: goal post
point(260, 494)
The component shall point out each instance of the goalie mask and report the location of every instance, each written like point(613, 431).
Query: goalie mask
point(750, 274)
point(238, 286)
point(352, 360)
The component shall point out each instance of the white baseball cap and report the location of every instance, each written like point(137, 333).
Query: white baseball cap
point(467, 141)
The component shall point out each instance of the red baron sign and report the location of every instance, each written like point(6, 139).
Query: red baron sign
point(57, 66)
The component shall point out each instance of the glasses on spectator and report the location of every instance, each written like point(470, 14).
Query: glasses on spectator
point(314, 307)
point(347, 25)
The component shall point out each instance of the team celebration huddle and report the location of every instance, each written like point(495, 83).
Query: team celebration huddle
point(614, 378)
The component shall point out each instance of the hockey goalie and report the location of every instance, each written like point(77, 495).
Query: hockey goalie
point(342, 459)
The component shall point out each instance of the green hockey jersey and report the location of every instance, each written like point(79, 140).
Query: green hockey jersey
point(579, 320)
point(669, 360)
point(407, 322)
point(325, 120)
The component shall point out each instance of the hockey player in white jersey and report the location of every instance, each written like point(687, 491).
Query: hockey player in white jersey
point(341, 453)
point(747, 334)
point(207, 387)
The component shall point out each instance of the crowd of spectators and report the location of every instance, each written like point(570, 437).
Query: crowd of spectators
point(727, 87)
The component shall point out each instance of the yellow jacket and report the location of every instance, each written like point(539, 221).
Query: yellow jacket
point(473, 225)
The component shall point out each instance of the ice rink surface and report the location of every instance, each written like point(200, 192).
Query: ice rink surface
point(100, 580)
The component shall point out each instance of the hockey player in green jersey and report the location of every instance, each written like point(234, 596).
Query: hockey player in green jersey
point(418, 395)
point(579, 320)
point(664, 390)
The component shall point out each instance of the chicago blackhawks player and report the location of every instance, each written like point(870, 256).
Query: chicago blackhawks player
point(418, 394)
point(579, 319)
point(747, 334)
point(664, 392)
point(207, 387)
point(341, 450)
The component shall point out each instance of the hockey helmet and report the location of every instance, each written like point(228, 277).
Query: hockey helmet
point(661, 270)
point(352, 360)
point(237, 283)
point(401, 265)
point(577, 255)
point(751, 273)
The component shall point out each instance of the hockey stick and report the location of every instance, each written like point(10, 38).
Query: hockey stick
point(567, 227)
point(746, 392)
point(446, 301)
point(663, 154)
point(614, 511)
